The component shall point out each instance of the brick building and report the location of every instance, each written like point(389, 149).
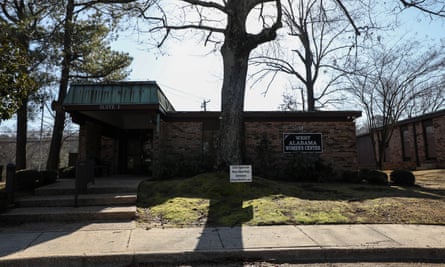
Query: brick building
point(132, 128)
point(416, 143)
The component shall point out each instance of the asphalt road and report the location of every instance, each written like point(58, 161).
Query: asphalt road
point(268, 264)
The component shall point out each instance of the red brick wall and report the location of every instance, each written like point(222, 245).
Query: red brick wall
point(394, 156)
point(181, 138)
point(184, 140)
point(339, 146)
point(175, 143)
point(439, 128)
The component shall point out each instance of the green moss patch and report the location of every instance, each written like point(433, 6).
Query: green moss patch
point(210, 199)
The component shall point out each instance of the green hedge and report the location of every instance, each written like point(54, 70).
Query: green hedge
point(402, 177)
point(3, 200)
point(28, 180)
point(308, 168)
point(374, 177)
point(67, 172)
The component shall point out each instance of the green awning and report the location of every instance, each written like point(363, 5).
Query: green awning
point(122, 95)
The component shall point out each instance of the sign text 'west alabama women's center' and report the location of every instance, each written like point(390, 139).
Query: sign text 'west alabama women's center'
point(302, 142)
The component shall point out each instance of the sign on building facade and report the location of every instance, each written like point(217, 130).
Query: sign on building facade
point(302, 142)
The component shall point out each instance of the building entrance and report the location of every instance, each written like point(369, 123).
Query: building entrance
point(136, 152)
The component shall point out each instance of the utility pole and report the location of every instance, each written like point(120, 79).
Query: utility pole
point(204, 104)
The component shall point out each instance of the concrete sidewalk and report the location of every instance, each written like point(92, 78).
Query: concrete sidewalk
point(123, 244)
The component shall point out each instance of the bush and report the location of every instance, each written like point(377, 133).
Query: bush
point(307, 167)
point(179, 166)
point(3, 200)
point(47, 177)
point(351, 177)
point(263, 158)
point(402, 177)
point(374, 177)
point(68, 172)
point(27, 179)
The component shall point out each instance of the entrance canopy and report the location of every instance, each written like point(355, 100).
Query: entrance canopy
point(124, 104)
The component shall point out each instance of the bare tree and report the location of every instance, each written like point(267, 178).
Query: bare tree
point(317, 33)
point(227, 19)
point(387, 83)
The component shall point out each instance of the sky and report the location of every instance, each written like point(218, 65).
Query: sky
point(189, 74)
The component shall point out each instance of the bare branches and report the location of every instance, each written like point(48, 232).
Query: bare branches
point(314, 30)
point(206, 4)
point(437, 8)
point(391, 81)
point(346, 12)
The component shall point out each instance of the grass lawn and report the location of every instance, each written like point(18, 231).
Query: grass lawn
point(210, 199)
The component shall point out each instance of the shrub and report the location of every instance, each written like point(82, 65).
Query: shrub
point(177, 166)
point(27, 179)
point(402, 177)
point(374, 177)
point(351, 177)
point(307, 167)
point(47, 177)
point(263, 158)
point(3, 200)
point(68, 172)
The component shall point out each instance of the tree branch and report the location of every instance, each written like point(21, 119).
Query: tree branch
point(207, 4)
point(346, 12)
point(416, 4)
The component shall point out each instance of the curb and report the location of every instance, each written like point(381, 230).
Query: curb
point(300, 255)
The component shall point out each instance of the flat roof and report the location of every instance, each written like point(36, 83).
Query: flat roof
point(268, 115)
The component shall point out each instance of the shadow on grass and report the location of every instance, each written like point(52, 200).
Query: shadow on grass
point(217, 188)
point(231, 205)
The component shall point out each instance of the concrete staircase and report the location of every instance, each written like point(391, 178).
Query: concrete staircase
point(109, 199)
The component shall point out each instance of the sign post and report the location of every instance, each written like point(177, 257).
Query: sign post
point(240, 173)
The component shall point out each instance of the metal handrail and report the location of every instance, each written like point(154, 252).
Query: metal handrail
point(84, 176)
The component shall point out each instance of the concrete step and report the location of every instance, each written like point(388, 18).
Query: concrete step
point(115, 199)
point(68, 214)
point(66, 187)
point(48, 191)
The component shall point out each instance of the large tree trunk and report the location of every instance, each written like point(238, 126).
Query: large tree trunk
point(56, 140)
point(22, 130)
point(231, 140)
point(309, 82)
point(235, 52)
point(59, 122)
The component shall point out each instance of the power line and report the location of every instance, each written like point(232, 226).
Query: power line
point(180, 91)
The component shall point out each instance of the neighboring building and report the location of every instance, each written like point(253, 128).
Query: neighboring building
point(37, 149)
point(133, 128)
point(416, 143)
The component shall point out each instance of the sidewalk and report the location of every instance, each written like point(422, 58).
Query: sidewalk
point(123, 244)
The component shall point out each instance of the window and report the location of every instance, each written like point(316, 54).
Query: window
point(406, 148)
point(430, 141)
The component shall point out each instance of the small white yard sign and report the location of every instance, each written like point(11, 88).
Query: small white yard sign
point(240, 173)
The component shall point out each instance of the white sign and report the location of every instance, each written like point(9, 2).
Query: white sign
point(240, 173)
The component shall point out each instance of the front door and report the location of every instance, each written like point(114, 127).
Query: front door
point(138, 152)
